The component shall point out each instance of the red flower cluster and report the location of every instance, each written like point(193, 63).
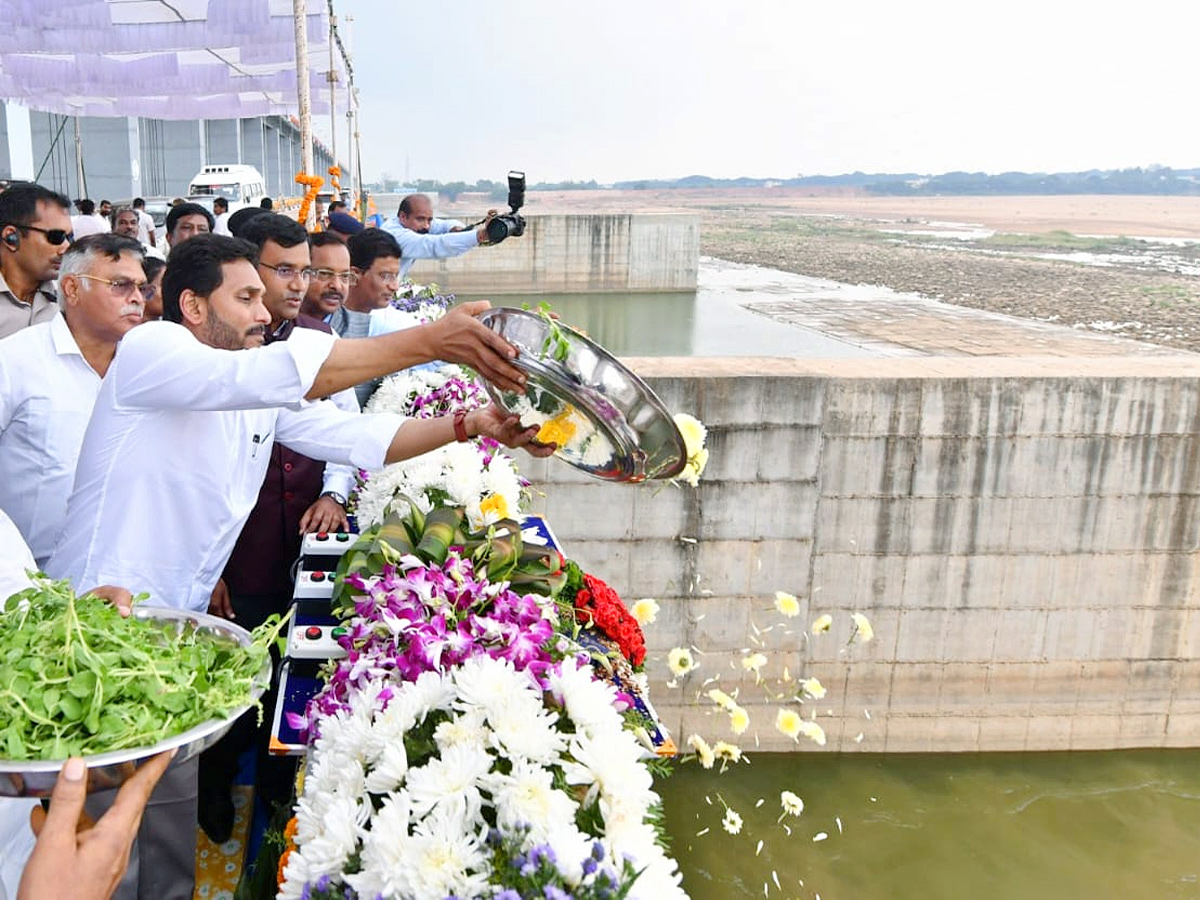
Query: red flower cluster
point(599, 603)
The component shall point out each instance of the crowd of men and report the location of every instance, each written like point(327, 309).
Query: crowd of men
point(138, 451)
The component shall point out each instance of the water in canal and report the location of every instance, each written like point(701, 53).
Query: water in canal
point(1021, 826)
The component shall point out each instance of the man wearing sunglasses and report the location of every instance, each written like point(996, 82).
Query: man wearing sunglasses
point(35, 231)
point(50, 376)
point(299, 495)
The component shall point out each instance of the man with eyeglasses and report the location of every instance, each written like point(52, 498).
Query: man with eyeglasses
point(50, 377)
point(298, 495)
point(375, 262)
point(35, 231)
point(332, 276)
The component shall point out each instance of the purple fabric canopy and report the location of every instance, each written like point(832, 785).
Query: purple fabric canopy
point(182, 59)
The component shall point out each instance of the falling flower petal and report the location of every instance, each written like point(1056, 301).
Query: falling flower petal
point(863, 632)
point(758, 849)
point(787, 604)
point(822, 624)
point(819, 836)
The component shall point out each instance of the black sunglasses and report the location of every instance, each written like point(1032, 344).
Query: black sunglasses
point(54, 235)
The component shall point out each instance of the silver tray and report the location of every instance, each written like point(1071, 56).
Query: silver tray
point(607, 421)
point(36, 778)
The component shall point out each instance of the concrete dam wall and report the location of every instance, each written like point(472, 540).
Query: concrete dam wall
point(1022, 534)
point(578, 254)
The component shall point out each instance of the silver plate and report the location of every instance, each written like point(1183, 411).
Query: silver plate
point(606, 420)
point(36, 778)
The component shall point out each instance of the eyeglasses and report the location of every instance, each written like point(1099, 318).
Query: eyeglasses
point(54, 236)
point(389, 277)
point(287, 273)
point(123, 288)
point(327, 275)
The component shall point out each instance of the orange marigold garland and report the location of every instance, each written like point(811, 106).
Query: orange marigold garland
point(312, 184)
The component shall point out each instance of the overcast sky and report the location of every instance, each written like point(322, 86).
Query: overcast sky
point(468, 89)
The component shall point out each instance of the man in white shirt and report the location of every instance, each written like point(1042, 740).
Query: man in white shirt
point(50, 376)
point(88, 221)
point(421, 236)
point(126, 223)
point(146, 230)
point(179, 442)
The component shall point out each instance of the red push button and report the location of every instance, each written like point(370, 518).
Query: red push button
point(322, 535)
point(317, 576)
point(312, 632)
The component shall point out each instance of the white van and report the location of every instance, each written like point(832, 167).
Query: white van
point(240, 185)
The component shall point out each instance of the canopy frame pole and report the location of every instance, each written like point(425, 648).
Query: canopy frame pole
point(303, 95)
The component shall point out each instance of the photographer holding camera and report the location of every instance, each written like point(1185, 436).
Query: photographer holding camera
point(421, 236)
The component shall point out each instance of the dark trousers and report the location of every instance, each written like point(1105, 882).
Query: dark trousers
point(274, 776)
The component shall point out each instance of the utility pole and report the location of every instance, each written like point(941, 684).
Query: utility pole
point(332, 78)
point(299, 14)
point(80, 178)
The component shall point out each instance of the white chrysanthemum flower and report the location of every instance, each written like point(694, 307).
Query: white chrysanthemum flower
point(722, 699)
point(455, 773)
point(822, 623)
point(732, 822)
point(813, 732)
point(524, 729)
point(645, 611)
point(335, 835)
point(693, 431)
point(813, 688)
point(486, 683)
point(754, 662)
point(589, 702)
point(787, 604)
point(863, 632)
point(526, 797)
point(571, 847)
point(726, 751)
point(739, 720)
point(703, 752)
point(388, 771)
point(680, 661)
point(469, 728)
point(791, 803)
point(610, 766)
point(788, 722)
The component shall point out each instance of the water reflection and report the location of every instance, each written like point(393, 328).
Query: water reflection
point(985, 827)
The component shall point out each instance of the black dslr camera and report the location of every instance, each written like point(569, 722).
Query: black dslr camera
point(510, 224)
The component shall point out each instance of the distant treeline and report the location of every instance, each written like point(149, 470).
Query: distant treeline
point(1151, 180)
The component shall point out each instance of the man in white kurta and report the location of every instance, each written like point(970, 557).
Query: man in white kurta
point(180, 439)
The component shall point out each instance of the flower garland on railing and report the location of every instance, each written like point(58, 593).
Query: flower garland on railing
point(312, 185)
point(335, 175)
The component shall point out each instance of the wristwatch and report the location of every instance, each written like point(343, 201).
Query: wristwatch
point(336, 497)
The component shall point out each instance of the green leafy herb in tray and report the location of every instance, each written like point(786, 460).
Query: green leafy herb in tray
point(78, 679)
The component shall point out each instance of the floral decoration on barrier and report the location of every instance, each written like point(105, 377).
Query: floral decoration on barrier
point(312, 185)
point(467, 745)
